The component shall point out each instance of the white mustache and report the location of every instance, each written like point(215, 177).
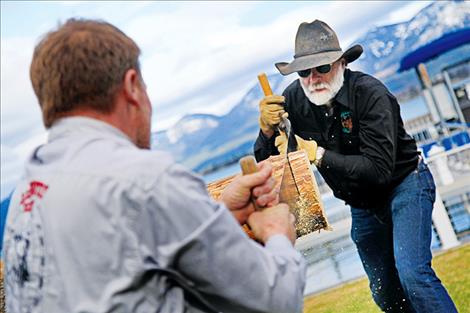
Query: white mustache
point(313, 87)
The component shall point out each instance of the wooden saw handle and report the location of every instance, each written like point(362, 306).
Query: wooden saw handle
point(248, 165)
point(264, 82)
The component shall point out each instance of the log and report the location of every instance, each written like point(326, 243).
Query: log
point(309, 210)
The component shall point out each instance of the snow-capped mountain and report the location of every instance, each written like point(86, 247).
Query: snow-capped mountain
point(188, 133)
point(385, 46)
point(204, 142)
point(231, 136)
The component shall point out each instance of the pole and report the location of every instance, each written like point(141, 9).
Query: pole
point(426, 81)
point(455, 102)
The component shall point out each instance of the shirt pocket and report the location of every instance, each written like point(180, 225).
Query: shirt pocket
point(350, 144)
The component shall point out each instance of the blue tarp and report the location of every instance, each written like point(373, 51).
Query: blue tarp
point(3, 217)
point(444, 43)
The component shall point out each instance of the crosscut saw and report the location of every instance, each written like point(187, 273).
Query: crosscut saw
point(289, 191)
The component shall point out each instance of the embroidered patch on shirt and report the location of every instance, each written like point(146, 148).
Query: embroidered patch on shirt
point(346, 122)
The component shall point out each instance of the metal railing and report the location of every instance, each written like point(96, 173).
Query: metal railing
point(451, 171)
point(335, 254)
point(449, 166)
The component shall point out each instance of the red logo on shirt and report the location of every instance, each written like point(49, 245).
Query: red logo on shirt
point(36, 191)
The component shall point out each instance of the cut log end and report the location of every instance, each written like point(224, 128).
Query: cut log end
point(308, 210)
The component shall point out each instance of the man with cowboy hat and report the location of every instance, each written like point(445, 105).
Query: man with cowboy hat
point(350, 126)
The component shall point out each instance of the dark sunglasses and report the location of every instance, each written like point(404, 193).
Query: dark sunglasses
point(322, 69)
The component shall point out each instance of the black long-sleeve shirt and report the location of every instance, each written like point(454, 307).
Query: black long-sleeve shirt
point(368, 151)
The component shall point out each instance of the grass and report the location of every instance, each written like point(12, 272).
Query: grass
point(452, 267)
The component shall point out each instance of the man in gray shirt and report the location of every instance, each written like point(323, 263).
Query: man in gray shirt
point(102, 224)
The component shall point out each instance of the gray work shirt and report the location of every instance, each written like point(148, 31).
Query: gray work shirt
point(94, 216)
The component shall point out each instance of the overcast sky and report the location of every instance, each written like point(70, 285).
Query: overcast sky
point(197, 57)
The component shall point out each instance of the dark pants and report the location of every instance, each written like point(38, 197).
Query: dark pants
point(395, 248)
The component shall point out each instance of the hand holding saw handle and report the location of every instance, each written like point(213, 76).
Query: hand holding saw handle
point(288, 179)
point(248, 165)
point(284, 125)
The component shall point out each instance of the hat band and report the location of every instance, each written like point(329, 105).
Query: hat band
point(298, 55)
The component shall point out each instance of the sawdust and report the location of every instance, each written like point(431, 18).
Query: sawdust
point(307, 220)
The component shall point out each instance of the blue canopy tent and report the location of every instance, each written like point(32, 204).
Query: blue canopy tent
point(416, 59)
point(433, 49)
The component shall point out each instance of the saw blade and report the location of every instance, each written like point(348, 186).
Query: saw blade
point(289, 191)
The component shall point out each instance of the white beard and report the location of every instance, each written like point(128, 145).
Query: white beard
point(324, 97)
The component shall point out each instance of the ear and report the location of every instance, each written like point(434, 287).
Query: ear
point(132, 86)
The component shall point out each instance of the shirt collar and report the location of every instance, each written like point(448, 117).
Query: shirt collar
point(84, 125)
point(342, 97)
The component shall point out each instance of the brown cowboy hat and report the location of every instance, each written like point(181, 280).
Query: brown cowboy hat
point(317, 44)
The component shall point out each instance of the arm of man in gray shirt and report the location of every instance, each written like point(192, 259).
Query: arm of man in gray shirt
point(208, 247)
